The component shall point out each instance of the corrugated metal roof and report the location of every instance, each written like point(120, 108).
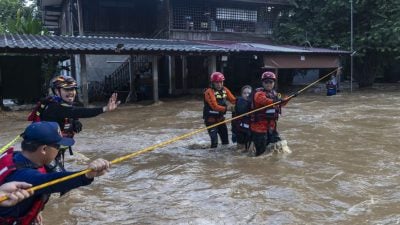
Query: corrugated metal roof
point(15, 43)
point(268, 48)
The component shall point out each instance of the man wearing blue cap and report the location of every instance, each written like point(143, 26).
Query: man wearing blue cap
point(40, 145)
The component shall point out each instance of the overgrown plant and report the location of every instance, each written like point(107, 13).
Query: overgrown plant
point(326, 23)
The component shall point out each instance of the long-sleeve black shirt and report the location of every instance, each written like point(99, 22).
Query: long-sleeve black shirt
point(57, 112)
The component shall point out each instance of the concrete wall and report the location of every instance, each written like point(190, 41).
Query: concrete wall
point(98, 68)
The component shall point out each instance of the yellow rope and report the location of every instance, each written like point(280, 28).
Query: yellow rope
point(3, 149)
point(153, 147)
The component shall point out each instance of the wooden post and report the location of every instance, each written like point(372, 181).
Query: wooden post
point(155, 79)
point(132, 96)
point(212, 64)
point(171, 73)
point(80, 19)
point(73, 66)
point(338, 77)
point(82, 59)
point(276, 82)
point(84, 81)
point(184, 74)
point(71, 18)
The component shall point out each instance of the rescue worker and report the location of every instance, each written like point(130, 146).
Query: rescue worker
point(215, 107)
point(60, 108)
point(331, 86)
point(264, 122)
point(241, 126)
point(40, 146)
point(15, 192)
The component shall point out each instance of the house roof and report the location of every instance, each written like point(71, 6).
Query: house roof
point(15, 43)
point(257, 47)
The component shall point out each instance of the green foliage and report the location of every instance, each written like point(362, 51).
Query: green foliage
point(9, 9)
point(17, 17)
point(24, 25)
point(324, 23)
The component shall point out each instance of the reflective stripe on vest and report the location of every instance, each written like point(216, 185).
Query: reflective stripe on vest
point(220, 96)
point(7, 166)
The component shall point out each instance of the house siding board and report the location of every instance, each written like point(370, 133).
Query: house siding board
point(147, 19)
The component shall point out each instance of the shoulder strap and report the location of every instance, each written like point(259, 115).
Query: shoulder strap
point(7, 165)
point(252, 95)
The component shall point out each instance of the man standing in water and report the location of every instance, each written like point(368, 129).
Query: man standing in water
point(60, 108)
point(215, 107)
point(40, 145)
point(264, 122)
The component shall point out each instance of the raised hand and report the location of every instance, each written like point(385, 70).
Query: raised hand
point(112, 103)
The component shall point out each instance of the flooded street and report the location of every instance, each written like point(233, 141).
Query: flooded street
point(344, 168)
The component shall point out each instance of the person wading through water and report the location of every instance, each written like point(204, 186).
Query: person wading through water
point(215, 107)
point(241, 126)
point(40, 145)
point(60, 108)
point(263, 124)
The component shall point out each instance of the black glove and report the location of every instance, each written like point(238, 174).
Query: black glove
point(76, 126)
point(277, 100)
point(284, 100)
point(281, 100)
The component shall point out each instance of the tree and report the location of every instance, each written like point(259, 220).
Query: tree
point(324, 23)
point(18, 17)
point(8, 11)
point(27, 24)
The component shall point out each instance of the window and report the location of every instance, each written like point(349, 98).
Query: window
point(236, 14)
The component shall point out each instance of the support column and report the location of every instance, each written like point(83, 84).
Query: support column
point(73, 66)
point(171, 74)
point(276, 74)
point(82, 60)
point(212, 64)
point(84, 81)
point(338, 77)
point(155, 79)
point(184, 74)
point(132, 96)
point(71, 17)
point(80, 19)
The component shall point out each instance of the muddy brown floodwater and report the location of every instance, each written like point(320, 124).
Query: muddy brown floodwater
point(344, 168)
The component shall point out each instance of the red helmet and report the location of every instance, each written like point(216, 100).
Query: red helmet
point(217, 77)
point(268, 75)
point(63, 82)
